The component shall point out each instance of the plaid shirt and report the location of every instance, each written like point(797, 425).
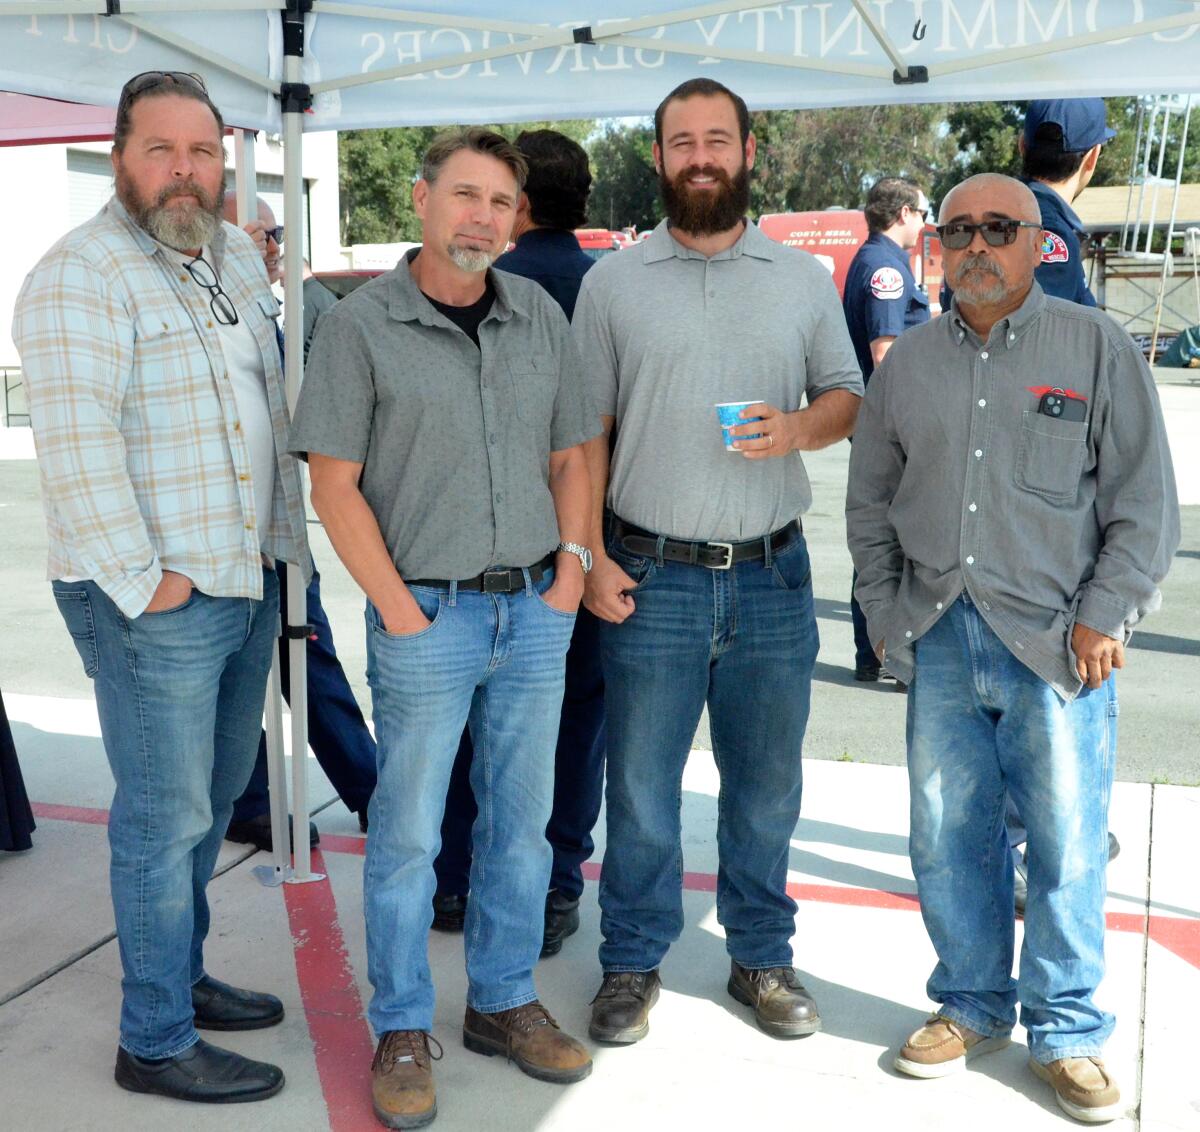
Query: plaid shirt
point(143, 463)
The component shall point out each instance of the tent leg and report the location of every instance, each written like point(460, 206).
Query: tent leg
point(279, 870)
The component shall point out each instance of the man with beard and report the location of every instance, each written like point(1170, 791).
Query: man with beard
point(443, 415)
point(148, 346)
point(702, 579)
point(1011, 511)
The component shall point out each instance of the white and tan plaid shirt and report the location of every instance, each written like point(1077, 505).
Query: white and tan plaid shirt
point(143, 463)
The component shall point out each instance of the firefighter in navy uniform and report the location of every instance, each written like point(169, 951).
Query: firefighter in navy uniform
point(1060, 147)
point(881, 301)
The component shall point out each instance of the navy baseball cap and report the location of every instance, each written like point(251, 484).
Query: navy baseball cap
point(1081, 120)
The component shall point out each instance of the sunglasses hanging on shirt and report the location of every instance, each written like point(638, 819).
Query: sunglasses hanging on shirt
point(205, 275)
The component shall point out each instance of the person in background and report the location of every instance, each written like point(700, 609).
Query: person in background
point(337, 732)
point(1009, 536)
point(16, 815)
point(881, 300)
point(147, 339)
point(552, 205)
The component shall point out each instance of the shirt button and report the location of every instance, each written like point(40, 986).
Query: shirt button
point(984, 355)
point(243, 477)
point(986, 606)
point(982, 403)
point(939, 605)
point(908, 632)
point(972, 507)
point(1011, 337)
point(491, 438)
point(499, 496)
point(978, 453)
point(970, 560)
point(249, 526)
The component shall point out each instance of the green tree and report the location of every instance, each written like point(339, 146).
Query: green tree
point(377, 170)
point(624, 183)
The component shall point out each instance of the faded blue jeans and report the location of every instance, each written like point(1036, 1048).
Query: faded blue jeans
point(495, 662)
point(180, 697)
point(981, 723)
point(744, 641)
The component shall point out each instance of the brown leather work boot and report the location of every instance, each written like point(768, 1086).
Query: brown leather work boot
point(621, 1008)
point(942, 1047)
point(402, 1079)
point(530, 1037)
point(782, 1007)
point(1083, 1087)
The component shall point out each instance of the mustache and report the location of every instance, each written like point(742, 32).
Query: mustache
point(978, 262)
point(714, 171)
point(188, 188)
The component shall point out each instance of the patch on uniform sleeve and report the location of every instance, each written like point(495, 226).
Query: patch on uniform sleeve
point(1054, 248)
point(887, 283)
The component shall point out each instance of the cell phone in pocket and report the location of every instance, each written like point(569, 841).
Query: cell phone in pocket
point(1058, 405)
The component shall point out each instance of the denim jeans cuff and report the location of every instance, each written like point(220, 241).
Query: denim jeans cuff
point(511, 1004)
point(156, 1055)
point(980, 1023)
point(764, 964)
point(1044, 1056)
point(626, 969)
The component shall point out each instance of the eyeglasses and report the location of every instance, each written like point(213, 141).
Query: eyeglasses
point(139, 84)
point(275, 233)
point(995, 233)
point(205, 276)
point(923, 213)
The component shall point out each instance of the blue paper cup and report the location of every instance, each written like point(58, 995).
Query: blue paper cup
point(727, 414)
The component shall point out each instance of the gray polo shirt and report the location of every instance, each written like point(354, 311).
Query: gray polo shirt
point(665, 333)
point(958, 482)
point(454, 439)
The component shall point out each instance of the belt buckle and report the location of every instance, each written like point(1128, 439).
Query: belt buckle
point(497, 581)
point(728, 548)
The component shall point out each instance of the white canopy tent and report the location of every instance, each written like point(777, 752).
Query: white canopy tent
point(304, 65)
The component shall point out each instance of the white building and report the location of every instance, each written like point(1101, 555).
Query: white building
point(46, 190)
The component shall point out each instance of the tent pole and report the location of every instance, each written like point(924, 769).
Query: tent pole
point(295, 99)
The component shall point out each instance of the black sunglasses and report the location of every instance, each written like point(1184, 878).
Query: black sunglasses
point(275, 233)
point(995, 233)
point(143, 82)
point(204, 275)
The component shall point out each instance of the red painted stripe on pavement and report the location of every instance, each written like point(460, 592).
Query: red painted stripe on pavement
point(332, 1006)
point(1179, 936)
point(86, 814)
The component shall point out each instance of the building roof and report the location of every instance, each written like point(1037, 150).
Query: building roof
point(1104, 209)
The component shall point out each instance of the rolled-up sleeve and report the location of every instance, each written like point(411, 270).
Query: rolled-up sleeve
point(76, 343)
point(1136, 504)
point(876, 465)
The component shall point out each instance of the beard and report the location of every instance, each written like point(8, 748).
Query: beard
point(183, 227)
point(979, 279)
point(707, 211)
point(473, 260)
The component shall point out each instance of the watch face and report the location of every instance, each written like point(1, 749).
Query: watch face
point(587, 560)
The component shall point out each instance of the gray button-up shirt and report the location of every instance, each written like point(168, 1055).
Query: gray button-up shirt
point(665, 333)
point(957, 481)
point(454, 439)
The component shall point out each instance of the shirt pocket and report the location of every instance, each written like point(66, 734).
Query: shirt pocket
point(535, 384)
point(1050, 457)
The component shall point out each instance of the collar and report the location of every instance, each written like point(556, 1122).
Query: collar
point(1048, 196)
point(660, 245)
point(884, 241)
point(1012, 326)
point(549, 237)
point(406, 303)
point(149, 245)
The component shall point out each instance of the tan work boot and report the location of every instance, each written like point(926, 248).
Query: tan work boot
point(530, 1037)
point(942, 1047)
point(1084, 1088)
point(402, 1079)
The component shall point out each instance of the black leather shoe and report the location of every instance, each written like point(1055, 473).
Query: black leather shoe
point(218, 1006)
point(621, 1008)
point(782, 1007)
point(257, 832)
point(202, 1073)
point(562, 920)
point(866, 673)
point(449, 912)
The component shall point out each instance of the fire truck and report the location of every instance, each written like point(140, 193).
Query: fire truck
point(835, 234)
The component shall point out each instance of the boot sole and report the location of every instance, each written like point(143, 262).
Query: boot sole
point(134, 1084)
point(627, 1036)
point(1101, 1115)
point(775, 1029)
point(404, 1120)
point(250, 1024)
point(489, 1048)
point(553, 945)
point(927, 1071)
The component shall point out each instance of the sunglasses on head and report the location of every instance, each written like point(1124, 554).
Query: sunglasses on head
point(995, 233)
point(139, 84)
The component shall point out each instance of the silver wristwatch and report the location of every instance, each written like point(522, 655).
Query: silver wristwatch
point(581, 552)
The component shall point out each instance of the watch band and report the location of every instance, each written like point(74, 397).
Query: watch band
point(581, 552)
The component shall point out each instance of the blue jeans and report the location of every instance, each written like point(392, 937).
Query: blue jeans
point(578, 778)
point(180, 696)
point(979, 724)
point(744, 641)
point(337, 732)
point(495, 661)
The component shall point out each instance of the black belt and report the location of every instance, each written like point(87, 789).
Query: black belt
point(498, 580)
point(713, 555)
